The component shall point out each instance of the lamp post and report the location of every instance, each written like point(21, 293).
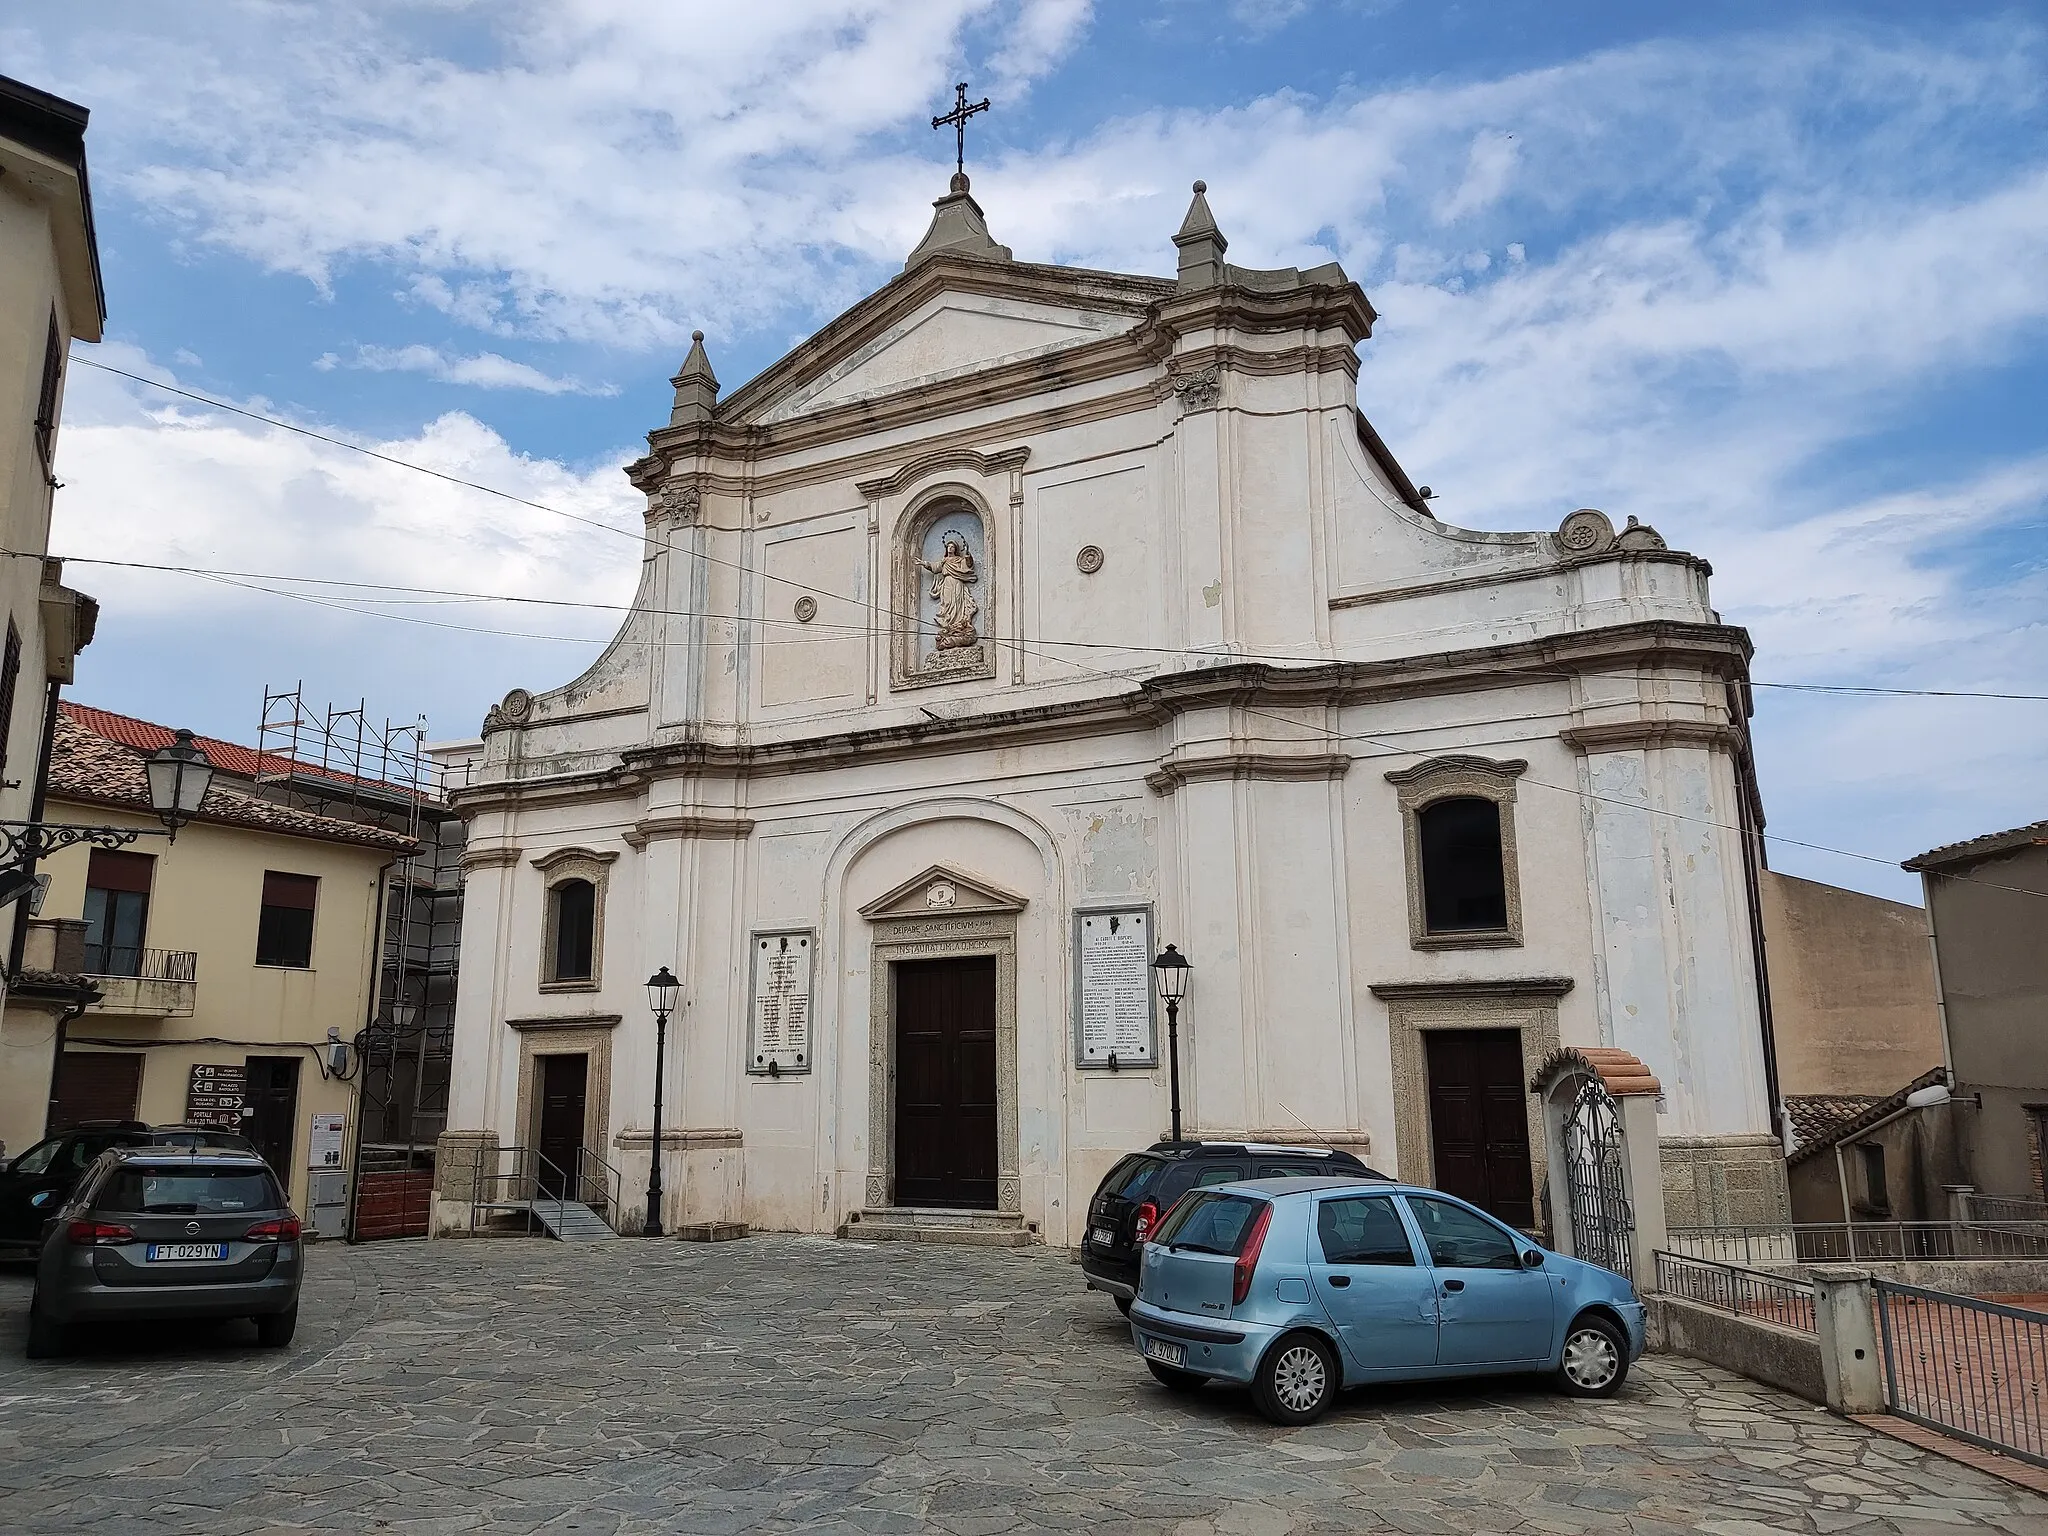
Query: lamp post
point(661, 996)
point(178, 776)
point(1172, 970)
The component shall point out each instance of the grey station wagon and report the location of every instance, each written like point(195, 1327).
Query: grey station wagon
point(155, 1233)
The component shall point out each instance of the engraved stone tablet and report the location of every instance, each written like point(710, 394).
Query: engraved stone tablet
point(1114, 969)
point(781, 1033)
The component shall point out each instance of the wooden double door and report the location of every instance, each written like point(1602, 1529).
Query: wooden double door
point(945, 1056)
point(1479, 1120)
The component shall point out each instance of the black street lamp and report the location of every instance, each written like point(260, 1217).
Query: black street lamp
point(1172, 970)
point(661, 996)
point(178, 776)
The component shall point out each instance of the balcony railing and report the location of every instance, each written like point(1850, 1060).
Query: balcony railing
point(143, 964)
point(143, 983)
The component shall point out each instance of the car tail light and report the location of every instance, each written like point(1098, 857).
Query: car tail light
point(284, 1230)
point(1147, 1224)
point(88, 1234)
point(1248, 1260)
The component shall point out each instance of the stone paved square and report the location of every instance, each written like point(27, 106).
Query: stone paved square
point(801, 1384)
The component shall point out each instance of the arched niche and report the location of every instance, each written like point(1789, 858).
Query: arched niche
point(943, 596)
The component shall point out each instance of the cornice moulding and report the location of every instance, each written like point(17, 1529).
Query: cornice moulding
point(653, 828)
point(1471, 987)
point(1174, 772)
point(546, 1021)
point(934, 461)
point(559, 856)
point(489, 858)
point(1638, 735)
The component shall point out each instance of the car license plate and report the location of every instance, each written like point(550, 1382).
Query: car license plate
point(1165, 1353)
point(187, 1251)
point(1102, 1237)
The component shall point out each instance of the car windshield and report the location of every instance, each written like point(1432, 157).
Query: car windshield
point(188, 1191)
point(1210, 1223)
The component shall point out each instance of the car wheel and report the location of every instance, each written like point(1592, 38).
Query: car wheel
point(275, 1330)
point(46, 1336)
point(1175, 1381)
point(1297, 1380)
point(1123, 1305)
point(1595, 1359)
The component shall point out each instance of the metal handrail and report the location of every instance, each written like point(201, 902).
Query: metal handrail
point(1837, 1241)
point(591, 1167)
point(1974, 1369)
point(526, 1175)
point(129, 961)
point(1731, 1288)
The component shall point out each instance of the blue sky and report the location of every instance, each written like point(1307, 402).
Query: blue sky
point(1768, 276)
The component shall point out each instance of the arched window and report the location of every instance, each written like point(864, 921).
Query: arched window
point(574, 920)
point(1464, 886)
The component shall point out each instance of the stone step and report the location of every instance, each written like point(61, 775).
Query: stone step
point(972, 1229)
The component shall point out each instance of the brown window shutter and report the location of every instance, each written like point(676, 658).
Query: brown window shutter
point(295, 892)
point(113, 870)
point(95, 1085)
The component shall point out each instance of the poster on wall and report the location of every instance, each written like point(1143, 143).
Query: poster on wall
point(781, 1017)
point(1113, 988)
point(213, 1095)
point(324, 1146)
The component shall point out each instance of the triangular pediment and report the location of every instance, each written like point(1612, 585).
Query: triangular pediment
point(948, 337)
point(948, 317)
point(943, 891)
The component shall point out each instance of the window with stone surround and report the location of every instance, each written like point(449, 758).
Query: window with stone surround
point(1458, 835)
point(572, 919)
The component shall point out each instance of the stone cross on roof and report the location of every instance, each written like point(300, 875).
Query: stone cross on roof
point(958, 118)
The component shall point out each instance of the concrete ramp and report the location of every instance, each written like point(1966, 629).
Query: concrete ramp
point(571, 1220)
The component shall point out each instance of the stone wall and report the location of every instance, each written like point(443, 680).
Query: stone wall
point(455, 1184)
point(1724, 1181)
point(1762, 1351)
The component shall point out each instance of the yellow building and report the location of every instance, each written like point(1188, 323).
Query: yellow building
point(227, 964)
point(50, 296)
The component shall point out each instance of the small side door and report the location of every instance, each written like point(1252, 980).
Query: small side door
point(1491, 1310)
point(1368, 1279)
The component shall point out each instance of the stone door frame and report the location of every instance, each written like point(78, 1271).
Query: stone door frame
point(1527, 1006)
point(940, 938)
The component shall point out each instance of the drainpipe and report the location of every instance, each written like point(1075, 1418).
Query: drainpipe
point(1917, 1100)
point(38, 803)
point(86, 995)
point(355, 1164)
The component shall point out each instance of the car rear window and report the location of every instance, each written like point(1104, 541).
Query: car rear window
point(1133, 1176)
point(1206, 1222)
point(188, 1191)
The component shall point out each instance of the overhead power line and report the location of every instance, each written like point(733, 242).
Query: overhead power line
point(243, 579)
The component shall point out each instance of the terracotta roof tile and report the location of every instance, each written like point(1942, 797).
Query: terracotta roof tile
point(1815, 1114)
point(230, 757)
point(89, 767)
point(1980, 847)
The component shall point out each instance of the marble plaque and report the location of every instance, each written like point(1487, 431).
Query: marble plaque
point(1113, 988)
point(781, 1033)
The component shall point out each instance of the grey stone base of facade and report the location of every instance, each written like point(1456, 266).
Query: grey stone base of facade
point(1724, 1181)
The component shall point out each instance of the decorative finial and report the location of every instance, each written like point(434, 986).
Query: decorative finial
point(696, 335)
point(1201, 244)
point(696, 386)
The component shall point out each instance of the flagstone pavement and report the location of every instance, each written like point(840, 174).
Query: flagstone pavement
point(796, 1384)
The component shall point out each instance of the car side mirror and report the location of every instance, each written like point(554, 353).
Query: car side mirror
point(1532, 1258)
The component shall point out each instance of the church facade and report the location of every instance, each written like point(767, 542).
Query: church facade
point(1024, 620)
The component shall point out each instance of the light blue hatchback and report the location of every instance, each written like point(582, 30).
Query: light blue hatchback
point(1301, 1287)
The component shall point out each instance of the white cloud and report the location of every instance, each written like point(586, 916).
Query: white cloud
point(483, 370)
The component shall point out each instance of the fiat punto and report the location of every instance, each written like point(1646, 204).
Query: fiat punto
point(1301, 1287)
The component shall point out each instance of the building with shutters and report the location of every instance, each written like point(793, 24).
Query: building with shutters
point(1026, 619)
point(50, 296)
point(222, 967)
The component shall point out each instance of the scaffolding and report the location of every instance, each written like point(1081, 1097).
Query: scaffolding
point(338, 762)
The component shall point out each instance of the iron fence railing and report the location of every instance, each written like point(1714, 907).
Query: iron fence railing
point(1836, 1242)
point(1731, 1288)
point(1974, 1369)
point(144, 964)
point(601, 1186)
point(2004, 1208)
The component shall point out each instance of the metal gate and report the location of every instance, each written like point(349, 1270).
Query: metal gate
point(1602, 1220)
